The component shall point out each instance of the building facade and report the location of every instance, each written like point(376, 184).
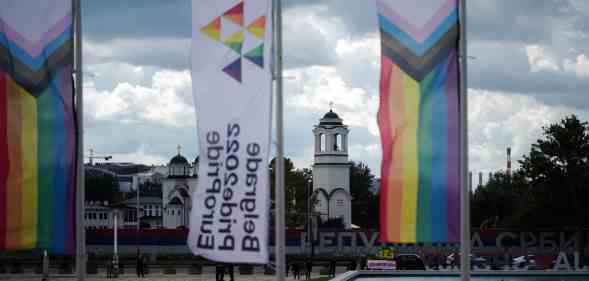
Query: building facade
point(177, 190)
point(168, 207)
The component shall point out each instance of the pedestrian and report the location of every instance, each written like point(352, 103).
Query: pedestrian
point(139, 264)
point(363, 262)
point(508, 258)
point(455, 261)
point(108, 269)
point(229, 269)
point(308, 269)
point(143, 265)
point(295, 268)
point(352, 265)
point(219, 272)
point(332, 268)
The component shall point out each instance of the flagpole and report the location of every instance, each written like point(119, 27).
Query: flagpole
point(80, 232)
point(279, 209)
point(465, 192)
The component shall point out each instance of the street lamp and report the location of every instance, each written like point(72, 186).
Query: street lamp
point(310, 195)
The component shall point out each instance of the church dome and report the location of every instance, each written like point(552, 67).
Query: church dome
point(330, 118)
point(179, 160)
point(331, 115)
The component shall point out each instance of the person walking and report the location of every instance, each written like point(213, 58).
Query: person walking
point(219, 272)
point(332, 268)
point(109, 269)
point(139, 264)
point(229, 270)
point(143, 265)
point(308, 269)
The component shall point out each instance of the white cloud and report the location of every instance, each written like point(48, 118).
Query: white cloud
point(323, 85)
point(541, 58)
point(166, 101)
point(579, 66)
point(309, 37)
point(498, 120)
point(141, 155)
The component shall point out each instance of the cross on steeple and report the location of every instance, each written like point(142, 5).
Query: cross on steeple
point(330, 106)
point(179, 149)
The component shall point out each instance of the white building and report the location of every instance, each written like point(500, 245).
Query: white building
point(171, 210)
point(98, 215)
point(177, 190)
point(331, 169)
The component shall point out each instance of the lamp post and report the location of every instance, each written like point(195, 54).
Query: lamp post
point(116, 243)
point(308, 212)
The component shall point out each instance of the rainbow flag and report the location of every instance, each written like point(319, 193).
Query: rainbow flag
point(418, 119)
point(37, 126)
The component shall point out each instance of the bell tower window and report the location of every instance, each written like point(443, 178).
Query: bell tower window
point(337, 144)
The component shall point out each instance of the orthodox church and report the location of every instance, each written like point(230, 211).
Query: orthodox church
point(171, 207)
point(331, 169)
point(177, 190)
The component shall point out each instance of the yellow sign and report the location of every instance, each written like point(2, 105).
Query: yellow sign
point(386, 253)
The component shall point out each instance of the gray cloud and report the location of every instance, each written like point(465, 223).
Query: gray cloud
point(157, 33)
point(113, 137)
point(504, 67)
point(110, 19)
point(527, 21)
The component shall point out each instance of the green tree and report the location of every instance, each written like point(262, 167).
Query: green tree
point(364, 202)
point(497, 203)
point(557, 170)
point(100, 185)
point(296, 182)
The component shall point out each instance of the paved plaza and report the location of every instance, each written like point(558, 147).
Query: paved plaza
point(208, 275)
point(151, 277)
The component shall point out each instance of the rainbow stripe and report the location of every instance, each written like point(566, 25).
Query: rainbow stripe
point(37, 138)
point(418, 121)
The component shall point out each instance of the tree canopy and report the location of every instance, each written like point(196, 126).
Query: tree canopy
point(548, 189)
point(364, 202)
point(100, 185)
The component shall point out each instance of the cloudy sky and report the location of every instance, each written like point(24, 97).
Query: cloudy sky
point(530, 67)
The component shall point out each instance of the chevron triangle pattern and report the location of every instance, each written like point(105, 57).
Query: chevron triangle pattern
point(234, 69)
point(419, 123)
point(257, 27)
point(213, 29)
point(235, 42)
point(37, 126)
point(256, 55)
point(255, 30)
point(417, 39)
point(235, 14)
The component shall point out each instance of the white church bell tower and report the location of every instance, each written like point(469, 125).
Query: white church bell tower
point(331, 170)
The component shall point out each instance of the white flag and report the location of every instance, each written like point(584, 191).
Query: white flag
point(232, 85)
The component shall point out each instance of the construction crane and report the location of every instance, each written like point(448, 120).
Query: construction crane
point(91, 157)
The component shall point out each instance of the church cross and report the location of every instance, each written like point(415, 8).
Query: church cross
point(330, 106)
point(179, 149)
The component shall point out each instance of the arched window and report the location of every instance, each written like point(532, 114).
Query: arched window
point(337, 143)
point(323, 142)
